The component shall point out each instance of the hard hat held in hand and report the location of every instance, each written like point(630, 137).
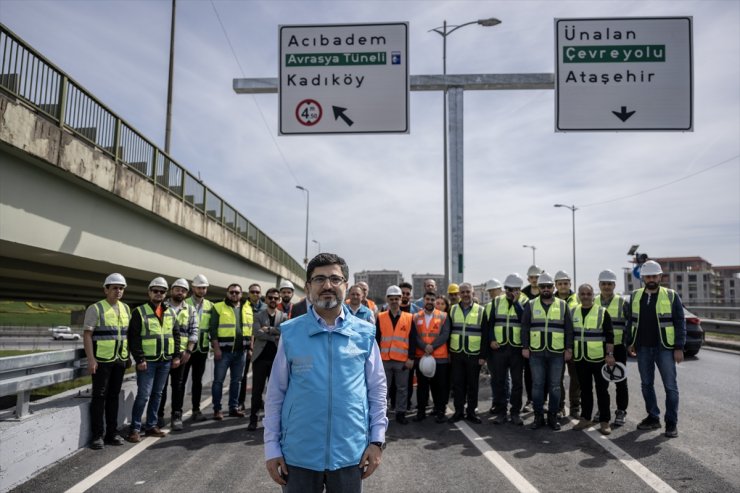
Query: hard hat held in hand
point(428, 365)
point(616, 373)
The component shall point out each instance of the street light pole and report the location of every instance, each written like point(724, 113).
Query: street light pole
point(573, 210)
point(305, 257)
point(534, 262)
point(168, 123)
point(444, 32)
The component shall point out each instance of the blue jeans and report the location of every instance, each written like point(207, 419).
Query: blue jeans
point(647, 359)
point(234, 362)
point(546, 367)
point(149, 385)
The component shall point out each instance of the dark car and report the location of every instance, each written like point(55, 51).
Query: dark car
point(694, 334)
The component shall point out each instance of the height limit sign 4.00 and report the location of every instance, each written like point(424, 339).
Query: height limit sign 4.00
point(344, 79)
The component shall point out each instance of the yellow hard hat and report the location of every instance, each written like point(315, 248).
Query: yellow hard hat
point(453, 288)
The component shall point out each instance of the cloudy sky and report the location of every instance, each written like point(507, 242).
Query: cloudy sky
point(377, 199)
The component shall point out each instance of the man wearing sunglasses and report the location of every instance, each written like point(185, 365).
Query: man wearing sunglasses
point(254, 292)
point(231, 333)
point(264, 338)
point(325, 409)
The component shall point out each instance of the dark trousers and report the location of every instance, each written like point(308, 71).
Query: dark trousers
point(243, 383)
point(528, 379)
point(465, 376)
point(588, 373)
point(106, 387)
point(197, 362)
point(507, 358)
point(623, 396)
point(345, 480)
point(260, 373)
point(178, 391)
point(438, 386)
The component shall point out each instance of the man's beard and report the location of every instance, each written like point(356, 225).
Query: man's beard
point(545, 296)
point(326, 304)
point(651, 285)
point(177, 298)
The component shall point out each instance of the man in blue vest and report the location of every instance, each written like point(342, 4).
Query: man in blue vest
point(326, 399)
point(657, 336)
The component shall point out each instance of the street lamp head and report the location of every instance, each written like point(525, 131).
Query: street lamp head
point(300, 188)
point(559, 205)
point(492, 21)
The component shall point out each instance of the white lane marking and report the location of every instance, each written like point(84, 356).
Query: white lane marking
point(516, 479)
point(119, 461)
point(629, 462)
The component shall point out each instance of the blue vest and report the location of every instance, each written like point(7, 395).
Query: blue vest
point(325, 420)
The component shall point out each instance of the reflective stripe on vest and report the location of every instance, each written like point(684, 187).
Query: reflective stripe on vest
point(589, 332)
point(507, 327)
point(429, 334)
point(157, 340)
point(547, 329)
point(465, 333)
point(226, 331)
point(664, 312)
point(615, 308)
point(394, 341)
point(183, 315)
point(204, 323)
point(110, 342)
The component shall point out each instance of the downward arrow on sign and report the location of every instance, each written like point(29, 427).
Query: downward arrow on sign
point(624, 115)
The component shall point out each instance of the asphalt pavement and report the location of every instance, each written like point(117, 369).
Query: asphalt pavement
point(430, 457)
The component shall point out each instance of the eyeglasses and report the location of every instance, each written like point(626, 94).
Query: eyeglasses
point(333, 280)
point(238, 293)
point(545, 286)
point(158, 291)
point(273, 298)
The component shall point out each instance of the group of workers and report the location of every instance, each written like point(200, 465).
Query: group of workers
point(527, 337)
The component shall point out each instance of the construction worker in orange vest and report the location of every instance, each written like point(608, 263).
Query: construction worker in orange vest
point(432, 333)
point(396, 336)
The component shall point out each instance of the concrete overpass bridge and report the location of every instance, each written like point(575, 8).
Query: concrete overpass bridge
point(83, 194)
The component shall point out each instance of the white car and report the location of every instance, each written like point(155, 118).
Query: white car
point(63, 332)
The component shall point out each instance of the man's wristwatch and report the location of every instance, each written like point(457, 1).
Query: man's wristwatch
point(380, 445)
point(610, 354)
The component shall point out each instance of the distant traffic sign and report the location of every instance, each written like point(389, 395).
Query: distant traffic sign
point(624, 74)
point(351, 78)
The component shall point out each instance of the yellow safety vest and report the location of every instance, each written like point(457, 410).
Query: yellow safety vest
point(465, 333)
point(615, 308)
point(183, 315)
point(226, 331)
point(588, 334)
point(507, 328)
point(110, 342)
point(547, 329)
point(663, 310)
point(204, 339)
point(157, 340)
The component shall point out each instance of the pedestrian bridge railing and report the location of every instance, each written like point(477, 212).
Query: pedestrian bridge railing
point(27, 75)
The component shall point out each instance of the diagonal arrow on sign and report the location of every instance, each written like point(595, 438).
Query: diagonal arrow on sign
point(624, 115)
point(339, 113)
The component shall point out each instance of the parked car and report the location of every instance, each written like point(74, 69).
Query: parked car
point(694, 334)
point(62, 332)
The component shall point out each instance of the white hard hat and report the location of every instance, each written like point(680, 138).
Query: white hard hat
point(393, 290)
point(561, 275)
point(158, 282)
point(513, 281)
point(428, 365)
point(616, 373)
point(115, 278)
point(607, 276)
point(534, 271)
point(650, 268)
point(286, 284)
point(544, 278)
point(200, 281)
point(493, 284)
point(182, 283)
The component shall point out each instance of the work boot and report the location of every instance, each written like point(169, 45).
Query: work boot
point(440, 418)
point(516, 420)
point(671, 430)
point(539, 421)
point(176, 422)
point(582, 424)
point(619, 418)
point(218, 415)
point(97, 444)
point(114, 440)
point(199, 416)
point(155, 432)
point(575, 412)
point(252, 426)
point(133, 437)
point(552, 422)
point(401, 419)
point(604, 428)
point(237, 413)
point(456, 417)
point(499, 419)
point(649, 423)
point(473, 418)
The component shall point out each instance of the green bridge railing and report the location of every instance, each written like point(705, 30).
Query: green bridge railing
point(27, 75)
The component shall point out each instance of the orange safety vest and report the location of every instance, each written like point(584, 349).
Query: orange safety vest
point(394, 342)
point(429, 334)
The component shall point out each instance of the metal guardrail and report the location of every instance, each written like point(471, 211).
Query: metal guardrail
point(28, 75)
point(19, 375)
point(721, 326)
